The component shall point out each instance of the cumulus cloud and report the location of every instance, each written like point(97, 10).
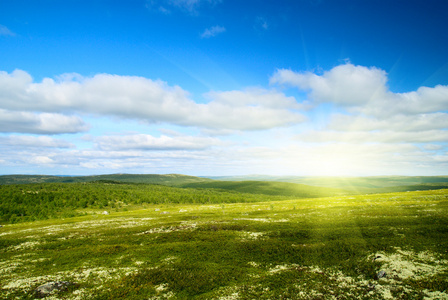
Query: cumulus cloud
point(344, 85)
point(423, 100)
point(371, 112)
point(149, 142)
point(364, 89)
point(144, 99)
point(40, 123)
point(371, 131)
point(212, 31)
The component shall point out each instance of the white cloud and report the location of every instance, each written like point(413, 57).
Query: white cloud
point(331, 158)
point(432, 147)
point(144, 99)
point(149, 142)
point(261, 22)
point(212, 31)
point(40, 123)
point(371, 112)
point(372, 131)
point(386, 136)
point(40, 160)
point(423, 100)
point(34, 142)
point(5, 31)
point(365, 90)
point(189, 6)
point(345, 85)
point(420, 122)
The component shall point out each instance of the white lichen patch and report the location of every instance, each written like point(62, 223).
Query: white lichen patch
point(253, 264)
point(161, 287)
point(248, 235)
point(24, 246)
point(170, 259)
point(233, 296)
point(167, 229)
point(98, 275)
point(407, 264)
point(281, 268)
point(384, 291)
point(227, 293)
point(8, 267)
point(435, 295)
point(264, 220)
point(168, 295)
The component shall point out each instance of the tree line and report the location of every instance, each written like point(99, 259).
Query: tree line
point(30, 202)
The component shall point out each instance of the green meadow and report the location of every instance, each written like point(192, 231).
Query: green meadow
point(189, 239)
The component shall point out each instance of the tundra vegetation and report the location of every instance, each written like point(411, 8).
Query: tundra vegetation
point(164, 242)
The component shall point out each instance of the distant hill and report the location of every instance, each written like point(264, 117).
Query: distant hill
point(371, 184)
point(295, 186)
point(169, 179)
point(269, 188)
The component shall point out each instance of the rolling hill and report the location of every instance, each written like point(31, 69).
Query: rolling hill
point(168, 179)
point(372, 184)
point(269, 188)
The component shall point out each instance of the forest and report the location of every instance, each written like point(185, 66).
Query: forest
point(39, 201)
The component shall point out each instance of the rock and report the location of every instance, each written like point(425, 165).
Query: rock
point(381, 274)
point(46, 289)
point(105, 212)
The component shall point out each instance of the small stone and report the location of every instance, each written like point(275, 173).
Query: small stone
point(46, 289)
point(381, 274)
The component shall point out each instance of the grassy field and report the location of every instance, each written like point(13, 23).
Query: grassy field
point(321, 248)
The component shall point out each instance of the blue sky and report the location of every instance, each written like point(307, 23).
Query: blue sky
point(222, 87)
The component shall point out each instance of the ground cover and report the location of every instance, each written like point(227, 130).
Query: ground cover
point(322, 248)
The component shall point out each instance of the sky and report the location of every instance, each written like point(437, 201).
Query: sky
point(224, 87)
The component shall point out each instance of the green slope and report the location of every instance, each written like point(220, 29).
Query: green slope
point(294, 249)
point(269, 188)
